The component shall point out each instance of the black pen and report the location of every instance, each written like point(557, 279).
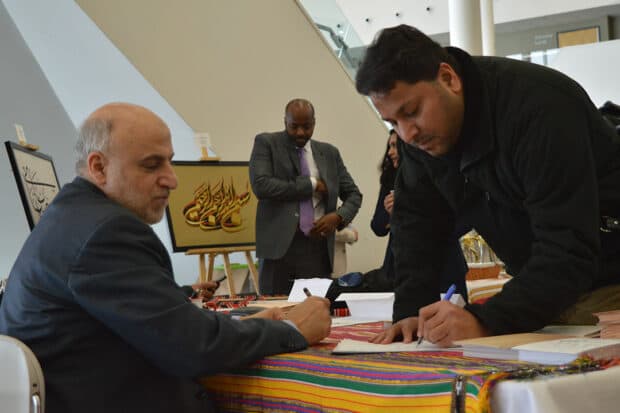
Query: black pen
point(307, 292)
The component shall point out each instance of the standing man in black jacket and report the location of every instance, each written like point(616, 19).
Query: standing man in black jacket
point(519, 152)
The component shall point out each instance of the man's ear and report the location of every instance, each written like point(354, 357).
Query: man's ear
point(448, 77)
point(96, 164)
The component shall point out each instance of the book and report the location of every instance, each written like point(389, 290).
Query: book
point(502, 347)
point(572, 330)
point(565, 350)
point(540, 347)
point(609, 322)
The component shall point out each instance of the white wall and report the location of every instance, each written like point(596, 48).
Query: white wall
point(595, 66)
point(86, 71)
point(26, 98)
point(383, 13)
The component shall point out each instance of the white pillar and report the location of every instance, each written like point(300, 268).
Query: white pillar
point(464, 16)
point(488, 27)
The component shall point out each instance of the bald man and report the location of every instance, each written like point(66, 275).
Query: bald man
point(93, 295)
point(288, 247)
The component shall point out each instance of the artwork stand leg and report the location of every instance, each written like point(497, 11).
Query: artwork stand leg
point(206, 273)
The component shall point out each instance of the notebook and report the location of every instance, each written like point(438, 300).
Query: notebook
point(565, 350)
point(609, 322)
point(540, 348)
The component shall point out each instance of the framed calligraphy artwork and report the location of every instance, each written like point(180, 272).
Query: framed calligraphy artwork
point(212, 206)
point(36, 179)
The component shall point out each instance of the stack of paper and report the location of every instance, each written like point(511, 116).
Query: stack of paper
point(609, 322)
point(572, 330)
point(502, 347)
point(369, 306)
point(540, 348)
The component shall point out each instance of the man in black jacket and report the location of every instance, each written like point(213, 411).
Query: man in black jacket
point(519, 152)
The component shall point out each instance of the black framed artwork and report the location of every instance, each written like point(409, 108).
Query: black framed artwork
point(36, 179)
point(212, 206)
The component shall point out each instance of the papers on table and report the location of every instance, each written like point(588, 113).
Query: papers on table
point(316, 286)
point(540, 348)
point(348, 346)
point(572, 330)
point(565, 350)
point(350, 320)
point(369, 306)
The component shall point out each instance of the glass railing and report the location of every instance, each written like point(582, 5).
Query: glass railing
point(337, 31)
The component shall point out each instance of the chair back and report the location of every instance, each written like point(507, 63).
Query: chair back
point(22, 388)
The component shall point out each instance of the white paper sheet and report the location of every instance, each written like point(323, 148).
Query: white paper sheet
point(356, 346)
point(316, 286)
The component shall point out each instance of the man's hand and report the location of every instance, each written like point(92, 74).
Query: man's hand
point(321, 187)
point(443, 323)
point(388, 202)
point(270, 314)
point(404, 328)
point(312, 318)
point(325, 225)
point(205, 290)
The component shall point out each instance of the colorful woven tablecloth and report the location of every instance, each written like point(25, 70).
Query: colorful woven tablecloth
point(315, 380)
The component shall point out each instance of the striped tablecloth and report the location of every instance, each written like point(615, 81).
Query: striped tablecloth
point(314, 380)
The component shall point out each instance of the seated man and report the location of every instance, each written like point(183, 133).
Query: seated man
point(518, 152)
point(93, 295)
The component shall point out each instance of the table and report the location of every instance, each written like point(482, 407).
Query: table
point(314, 380)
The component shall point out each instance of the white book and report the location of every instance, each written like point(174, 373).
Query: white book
point(540, 348)
point(565, 350)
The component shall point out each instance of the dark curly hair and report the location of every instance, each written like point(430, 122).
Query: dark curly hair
point(388, 172)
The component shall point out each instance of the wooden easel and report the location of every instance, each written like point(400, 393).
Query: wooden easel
point(207, 275)
point(204, 142)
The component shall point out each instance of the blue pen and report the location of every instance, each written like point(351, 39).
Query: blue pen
point(446, 297)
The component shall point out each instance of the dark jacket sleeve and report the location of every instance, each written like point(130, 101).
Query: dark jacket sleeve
point(381, 219)
point(553, 163)
point(271, 173)
point(348, 192)
point(421, 223)
point(135, 296)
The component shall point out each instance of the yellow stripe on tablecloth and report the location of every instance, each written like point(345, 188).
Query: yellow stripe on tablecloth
point(327, 397)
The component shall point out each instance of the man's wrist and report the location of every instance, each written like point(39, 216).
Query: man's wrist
point(292, 324)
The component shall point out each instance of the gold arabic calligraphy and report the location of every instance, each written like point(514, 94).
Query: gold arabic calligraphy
point(217, 207)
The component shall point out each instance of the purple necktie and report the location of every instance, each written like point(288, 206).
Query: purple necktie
point(306, 210)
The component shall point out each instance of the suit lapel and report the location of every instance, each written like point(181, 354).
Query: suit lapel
point(292, 153)
point(319, 159)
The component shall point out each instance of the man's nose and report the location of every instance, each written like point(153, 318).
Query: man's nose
point(408, 132)
point(169, 178)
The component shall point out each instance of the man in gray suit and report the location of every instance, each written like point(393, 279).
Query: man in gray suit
point(93, 295)
point(297, 182)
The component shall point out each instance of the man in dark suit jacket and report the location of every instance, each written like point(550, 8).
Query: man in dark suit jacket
point(277, 180)
point(93, 295)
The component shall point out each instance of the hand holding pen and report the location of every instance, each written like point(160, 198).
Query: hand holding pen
point(447, 296)
point(206, 289)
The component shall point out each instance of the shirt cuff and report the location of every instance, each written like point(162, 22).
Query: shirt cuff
point(314, 181)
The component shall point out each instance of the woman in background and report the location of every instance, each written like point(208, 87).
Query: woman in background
point(455, 267)
point(380, 223)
